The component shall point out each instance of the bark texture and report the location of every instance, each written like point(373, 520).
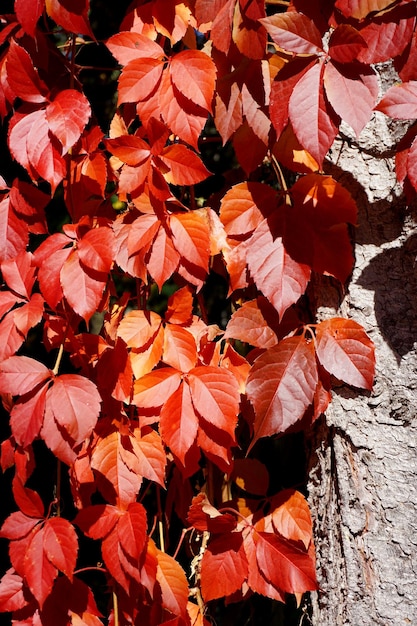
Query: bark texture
point(363, 457)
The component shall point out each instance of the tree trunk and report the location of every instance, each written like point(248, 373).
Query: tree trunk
point(363, 457)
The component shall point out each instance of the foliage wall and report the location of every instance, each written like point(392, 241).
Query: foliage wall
point(159, 254)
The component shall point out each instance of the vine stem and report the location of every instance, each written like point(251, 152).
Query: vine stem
point(58, 487)
point(115, 608)
point(94, 568)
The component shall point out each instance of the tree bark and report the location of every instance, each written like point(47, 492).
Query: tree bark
point(363, 456)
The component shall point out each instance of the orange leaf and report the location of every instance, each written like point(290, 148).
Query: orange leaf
point(116, 481)
point(191, 238)
point(249, 325)
point(215, 395)
point(180, 350)
point(291, 516)
point(173, 583)
point(194, 74)
point(138, 328)
point(153, 389)
point(179, 422)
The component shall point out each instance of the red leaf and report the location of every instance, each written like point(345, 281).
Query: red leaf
point(12, 597)
point(164, 258)
point(131, 530)
point(361, 8)
point(97, 521)
point(75, 405)
point(316, 232)
point(280, 396)
point(291, 516)
point(28, 500)
point(185, 167)
point(224, 566)
point(74, 20)
point(40, 573)
point(31, 145)
point(191, 238)
point(22, 76)
point(246, 136)
point(153, 389)
point(388, 35)
point(215, 395)
point(250, 475)
point(248, 34)
point(20, 374)
point(129, 148)
point(194, 74)
point(243, 206)
point(82, 289)
point(49, 275)
point(139, 79)
point(294, 32)
point(19, 274)
point(18, 525)
point(180, 307)
point(26, 417)
point(118, 483)
point(96, 249)
point(61, 544)
point(180, 350)
point(183, 118)
point(173, 583)
point(139, 328)
point(67, 116)
point(128, 46)
point(29, 204)
point(345, 350)
point(345, 44)
point(178, 422)
point(14, 234)
point(228, 115)
point(286, 566)
point(204, 516)
point(314, 123)
point(30, 314)
point(256, 581)
point(112, 555)
point(280, 278)
point(150, 454)
point(11, 338)
point(400, 101)
point(352, 92)
point(28, 14)
point(249, 325)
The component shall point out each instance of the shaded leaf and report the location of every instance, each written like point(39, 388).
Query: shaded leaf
point(224, 566)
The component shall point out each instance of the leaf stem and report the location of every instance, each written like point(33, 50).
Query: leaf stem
point(58, 359)
point(160, 521)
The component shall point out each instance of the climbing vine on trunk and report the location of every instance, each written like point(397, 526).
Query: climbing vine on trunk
point(152, 413)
